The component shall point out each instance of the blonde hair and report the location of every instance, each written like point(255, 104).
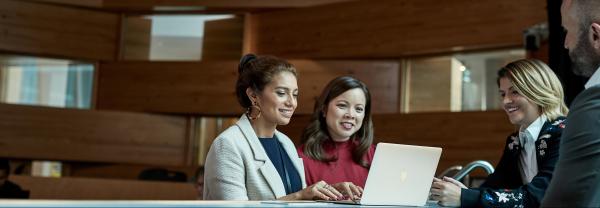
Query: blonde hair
point(533, 79)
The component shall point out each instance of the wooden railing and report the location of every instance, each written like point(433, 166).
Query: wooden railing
point(29, 132)
point(89, 188)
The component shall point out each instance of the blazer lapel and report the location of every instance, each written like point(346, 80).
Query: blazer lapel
point(293, 155)
point(273, 179)
point(267, 169)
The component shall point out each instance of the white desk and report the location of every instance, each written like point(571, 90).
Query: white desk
point(168, 203)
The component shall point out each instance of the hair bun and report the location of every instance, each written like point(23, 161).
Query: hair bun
point(245, 60)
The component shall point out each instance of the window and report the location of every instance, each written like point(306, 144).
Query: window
point(182, 37)
point(458, 82)
point(45, 82)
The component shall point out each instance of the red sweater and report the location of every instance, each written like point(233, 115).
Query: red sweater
point(342, 170)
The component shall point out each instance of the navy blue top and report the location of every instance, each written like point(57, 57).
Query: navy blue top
point(278, 156)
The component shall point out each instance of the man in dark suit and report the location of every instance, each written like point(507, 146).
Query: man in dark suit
point(576, 181)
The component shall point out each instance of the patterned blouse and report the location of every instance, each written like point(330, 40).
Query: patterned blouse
point(504, 187)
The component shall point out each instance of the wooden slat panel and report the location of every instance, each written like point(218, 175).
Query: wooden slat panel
point(93, 136)
point(103, 189)
point(395, 28)
point(464, 136)
point(207, 88)
point(41, 29)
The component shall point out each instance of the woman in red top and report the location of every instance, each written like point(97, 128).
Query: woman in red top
point(337, 144)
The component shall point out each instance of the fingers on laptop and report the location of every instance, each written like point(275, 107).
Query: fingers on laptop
point(455, 182)
point(323, 190)
point(437, 188)
point(356, 191)
point(349, 190)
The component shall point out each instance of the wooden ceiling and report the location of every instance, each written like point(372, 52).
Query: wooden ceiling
point(190, 6)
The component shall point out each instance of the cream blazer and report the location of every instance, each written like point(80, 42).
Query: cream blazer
point(238, 168)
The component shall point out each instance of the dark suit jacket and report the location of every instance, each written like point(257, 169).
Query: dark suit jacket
point(504, 187)
point(577, 176)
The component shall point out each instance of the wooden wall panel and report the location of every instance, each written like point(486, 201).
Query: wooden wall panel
point(174, 87)
point(103, 189)
point(395, 28)
point(464, 136)
point(380, 76)
point(137, 36)
point(207, 88)
point(223, 39)
point(29, 132)
point(435, 85)
point(49, 30)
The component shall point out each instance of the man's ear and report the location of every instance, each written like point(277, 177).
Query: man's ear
point(595, 35)
point(251, 94)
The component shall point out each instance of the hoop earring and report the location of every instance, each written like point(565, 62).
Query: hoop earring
point(253, 112)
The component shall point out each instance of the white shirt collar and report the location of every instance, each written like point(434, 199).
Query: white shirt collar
point(594, 80)
point(536, 126)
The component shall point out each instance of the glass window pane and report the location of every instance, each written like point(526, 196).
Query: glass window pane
point(181, 37)
point(458, 82)
point(479, 71)
point(46, 82)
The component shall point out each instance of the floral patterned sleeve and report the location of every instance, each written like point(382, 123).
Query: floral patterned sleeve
point(528, 195)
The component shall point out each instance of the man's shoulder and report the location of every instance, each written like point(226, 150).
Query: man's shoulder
point(592, 93)
point(588, 101)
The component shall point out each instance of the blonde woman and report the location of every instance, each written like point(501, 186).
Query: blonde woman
point(532, 97)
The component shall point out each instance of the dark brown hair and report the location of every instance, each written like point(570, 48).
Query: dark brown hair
point(256, 72)
point(315, 135)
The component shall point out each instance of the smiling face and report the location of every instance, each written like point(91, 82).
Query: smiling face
point(520, 110)
point(278, 99)
point(345, 113)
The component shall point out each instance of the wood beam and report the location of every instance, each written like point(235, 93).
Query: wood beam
point(50, 30)
point(44, 133)
point(394, 28)
point(191, 6)
point(103, 189)
point(207, 87)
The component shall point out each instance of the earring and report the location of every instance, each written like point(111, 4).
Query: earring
point(253, 112)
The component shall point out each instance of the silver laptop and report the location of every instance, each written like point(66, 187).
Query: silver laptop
point(400, 175)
